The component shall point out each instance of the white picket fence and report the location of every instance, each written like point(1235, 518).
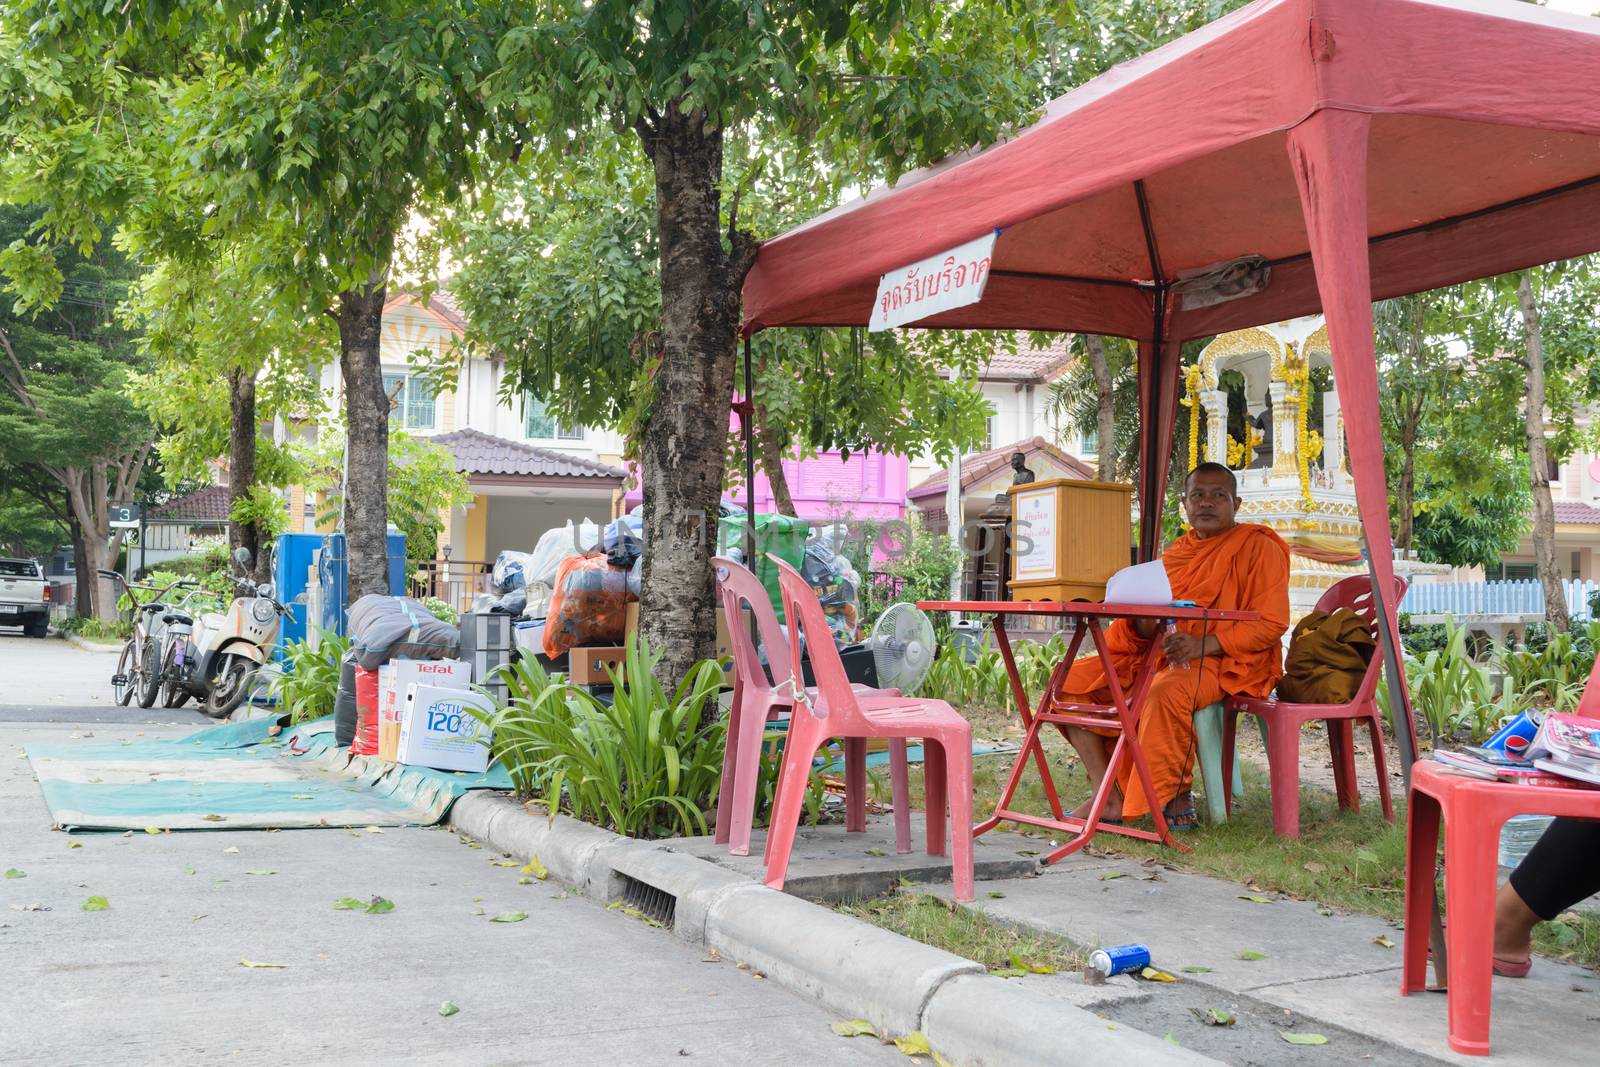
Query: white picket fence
point(1523, 597)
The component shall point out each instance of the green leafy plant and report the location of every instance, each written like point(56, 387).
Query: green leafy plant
point(441, 611)
point(309, 681)
point(644, 766)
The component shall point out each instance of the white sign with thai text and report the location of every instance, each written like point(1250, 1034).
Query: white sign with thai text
point(1035, 513)
point(948, 280)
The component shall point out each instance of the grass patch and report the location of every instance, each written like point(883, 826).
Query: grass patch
point(1352, 862)
point(967, 933)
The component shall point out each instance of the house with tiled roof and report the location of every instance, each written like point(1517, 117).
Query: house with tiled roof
point(178, 526)
point(1575, 492)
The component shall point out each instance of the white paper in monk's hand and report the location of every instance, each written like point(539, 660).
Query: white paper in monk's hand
point(1143, 583)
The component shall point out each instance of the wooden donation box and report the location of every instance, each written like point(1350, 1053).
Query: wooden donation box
point(1067, 537)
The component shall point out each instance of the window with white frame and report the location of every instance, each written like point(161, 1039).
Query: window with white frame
point(1089, 443)
point(411, 400)
point(539, 425)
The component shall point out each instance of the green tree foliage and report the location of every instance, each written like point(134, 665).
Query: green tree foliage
point(315, 128)
point(68, 431)
point(869, 88)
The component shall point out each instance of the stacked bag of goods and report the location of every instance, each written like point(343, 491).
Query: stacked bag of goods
point(508, 578)
point(836, 583)
point(589, 605)
point(383, 628)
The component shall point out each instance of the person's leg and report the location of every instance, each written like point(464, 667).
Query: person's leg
point(1166, 735)
point(1562, 868)
point(1095, 751)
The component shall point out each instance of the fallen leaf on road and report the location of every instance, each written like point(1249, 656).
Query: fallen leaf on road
point(510, 917)
point(379, 906)
point(1250, 954)
point(1197, 970)
point(234, 849)
point(874, 851)
point(1016, 960)
point(536, 868)
point(348, 904)
point(524, 881)
point(712, 956)
point(259, 966)
point(504, 863)
point(1302, 1039)
point(1027, 852)
point(197, 918)
point(1383, 941)
point(12, 872)
point(214, 818)
point(74, 844)
point(1156, 974)
point(1255, 900)
point(1008, 972)
point(1214, 1016)
point(913, 1044)
point(1326, 913)
point(188, 868)
point(995, 894)
point(1109, 875)
point(261, 870)
point(853, 1028)
point(448, 1008)
point(95, 904)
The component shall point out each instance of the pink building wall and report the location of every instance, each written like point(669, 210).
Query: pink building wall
point(866, 486)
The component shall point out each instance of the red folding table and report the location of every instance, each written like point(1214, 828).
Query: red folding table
point(1121, 715)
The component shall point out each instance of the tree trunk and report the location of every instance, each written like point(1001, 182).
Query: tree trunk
point(82, 577)
point(242, 429)
point(769, 449)
point(366, 408)
point(1105, 407)
point(1544, 512)
point(1408, 483)
point(682, 442)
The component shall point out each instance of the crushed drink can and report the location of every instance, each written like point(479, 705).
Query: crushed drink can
point(1514, 737)
point(1119, 959)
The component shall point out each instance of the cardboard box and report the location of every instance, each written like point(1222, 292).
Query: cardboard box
point(587, 666)
point(438, 729)
point(393, 679)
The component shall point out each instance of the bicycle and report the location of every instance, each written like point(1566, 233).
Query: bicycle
point(139, 665)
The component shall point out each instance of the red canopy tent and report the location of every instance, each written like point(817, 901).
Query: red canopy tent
point(1328, 152)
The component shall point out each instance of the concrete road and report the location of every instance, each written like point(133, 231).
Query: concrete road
point(158, 978)
point(53, 680)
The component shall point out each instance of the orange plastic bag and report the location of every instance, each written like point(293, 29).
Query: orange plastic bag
point(588, 607)
point(365, 742)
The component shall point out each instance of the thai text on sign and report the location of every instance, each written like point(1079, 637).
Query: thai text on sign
point(948, 280)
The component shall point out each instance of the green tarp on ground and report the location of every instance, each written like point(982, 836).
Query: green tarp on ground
point(237, 777)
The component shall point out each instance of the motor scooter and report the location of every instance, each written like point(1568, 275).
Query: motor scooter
point(219, 658)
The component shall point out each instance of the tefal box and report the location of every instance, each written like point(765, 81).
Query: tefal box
point(398, 675)
point(438, 729)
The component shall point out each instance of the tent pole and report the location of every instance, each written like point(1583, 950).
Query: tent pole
point(1156, 386)
point(746, 417)
point(1328, 152)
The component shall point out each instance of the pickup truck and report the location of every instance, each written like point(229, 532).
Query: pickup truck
point(24, 596)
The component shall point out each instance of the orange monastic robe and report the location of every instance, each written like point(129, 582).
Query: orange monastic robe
point(1244, 569)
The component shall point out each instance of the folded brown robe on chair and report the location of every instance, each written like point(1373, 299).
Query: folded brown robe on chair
point(1328, 657)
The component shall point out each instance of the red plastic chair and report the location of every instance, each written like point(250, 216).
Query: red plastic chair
point(1284, 719)
point(756, 701)
point(838, 711)
point(1473, 810)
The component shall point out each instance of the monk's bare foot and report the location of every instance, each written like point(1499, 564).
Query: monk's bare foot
point(1113, 808)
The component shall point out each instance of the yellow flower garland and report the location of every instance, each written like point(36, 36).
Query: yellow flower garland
point(1191, 400)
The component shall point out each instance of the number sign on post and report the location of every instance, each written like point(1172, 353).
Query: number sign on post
point(939, 283)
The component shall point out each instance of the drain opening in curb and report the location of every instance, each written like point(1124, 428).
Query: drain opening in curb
point(656, 905)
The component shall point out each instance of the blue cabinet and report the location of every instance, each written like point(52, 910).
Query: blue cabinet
point(312, 578)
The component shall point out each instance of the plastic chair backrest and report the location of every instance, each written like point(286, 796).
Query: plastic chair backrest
point(804, 612)
point(738, 586)
point(1355, 593)
point(1589, 702)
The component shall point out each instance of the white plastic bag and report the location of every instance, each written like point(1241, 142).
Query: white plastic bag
point(555, 546)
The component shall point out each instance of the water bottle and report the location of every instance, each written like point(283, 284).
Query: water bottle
point(1518, 836)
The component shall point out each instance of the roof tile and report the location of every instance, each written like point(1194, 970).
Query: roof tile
point(480, 453)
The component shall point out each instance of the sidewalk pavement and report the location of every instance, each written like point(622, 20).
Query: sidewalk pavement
point(1324, 967)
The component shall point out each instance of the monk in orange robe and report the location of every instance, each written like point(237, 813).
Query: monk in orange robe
point(1219, 563)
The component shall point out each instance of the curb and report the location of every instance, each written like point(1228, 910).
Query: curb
point(849, 966)
point(89, 646)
